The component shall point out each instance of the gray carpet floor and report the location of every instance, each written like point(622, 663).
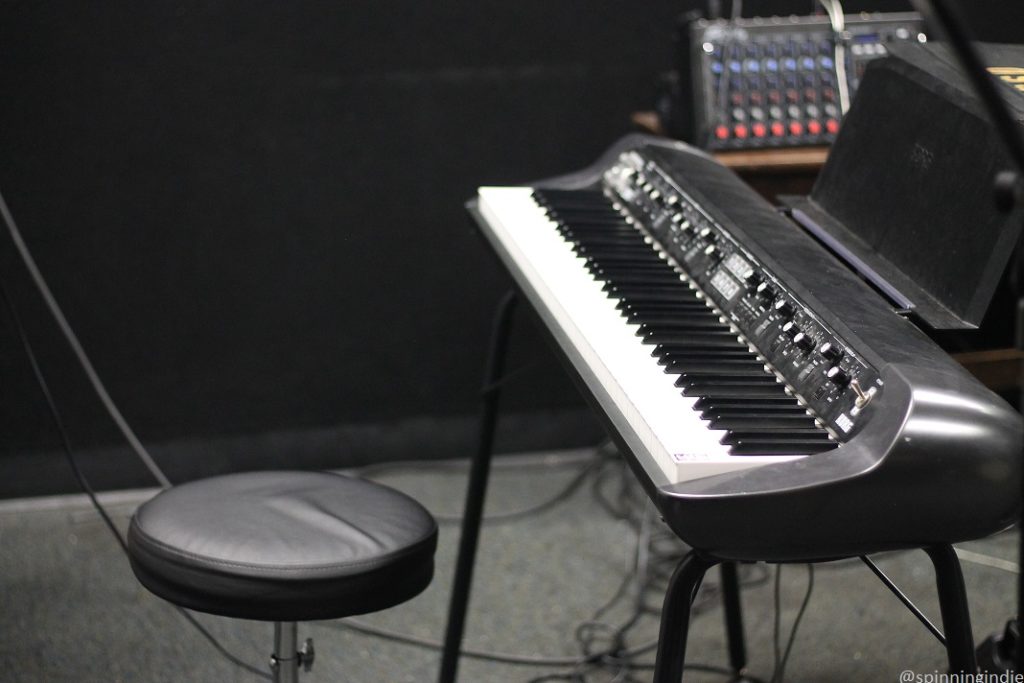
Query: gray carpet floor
point(70, 609)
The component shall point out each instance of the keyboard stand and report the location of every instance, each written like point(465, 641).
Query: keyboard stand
point(675, 614)
point(685, 581)
point(476, 492)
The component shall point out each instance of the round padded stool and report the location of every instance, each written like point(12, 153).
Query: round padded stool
point(283, 546)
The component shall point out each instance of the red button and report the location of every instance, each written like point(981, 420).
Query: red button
point(813, 127)
point(721, 132)
point(778, 130)
point(740, 131)
point(832, 126)
point(796, 128)
point(759, 130)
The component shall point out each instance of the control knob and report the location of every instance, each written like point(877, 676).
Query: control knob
point(803, 342)
point(784, 308)
point(833, 353)
point(838, 376)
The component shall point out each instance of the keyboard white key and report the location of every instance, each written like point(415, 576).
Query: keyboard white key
point(661, 420)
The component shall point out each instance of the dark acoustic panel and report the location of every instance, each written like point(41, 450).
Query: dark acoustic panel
point(253, 215)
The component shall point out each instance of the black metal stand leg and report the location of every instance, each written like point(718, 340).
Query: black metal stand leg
point(956, 618)
point(733, 617)
point(477, 489)
point(675, 617)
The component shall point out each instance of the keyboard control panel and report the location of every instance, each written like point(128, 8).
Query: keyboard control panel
point(811, 358)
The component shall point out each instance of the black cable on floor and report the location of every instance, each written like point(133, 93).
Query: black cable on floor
point(647, 576)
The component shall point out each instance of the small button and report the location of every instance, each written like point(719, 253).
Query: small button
point(759, 130)
point(832, 126)
point(757, 113)
point(740, 131)
point(778, 130)
point(722, 132)
point(796, 128)
point(739, 114)
point(814, 127)
point(775, 112)
point(794, 111)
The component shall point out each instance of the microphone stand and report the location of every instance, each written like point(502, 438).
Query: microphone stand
point(942, 15)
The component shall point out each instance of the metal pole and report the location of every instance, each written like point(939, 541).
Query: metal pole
point(477, 489)
point(956, 617)
point(675, 617)
point(285, 660)
point(733, 617)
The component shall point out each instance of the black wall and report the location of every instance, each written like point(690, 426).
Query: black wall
point(252, 214)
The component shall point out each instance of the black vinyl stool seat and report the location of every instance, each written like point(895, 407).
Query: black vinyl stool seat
point(283, 546)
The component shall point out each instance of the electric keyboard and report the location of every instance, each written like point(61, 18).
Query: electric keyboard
point(774, 406)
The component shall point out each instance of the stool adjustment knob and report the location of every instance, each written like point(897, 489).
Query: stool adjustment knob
point(307, 654)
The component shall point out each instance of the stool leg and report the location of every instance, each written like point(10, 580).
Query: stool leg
point(285, 660)
point(675, 617)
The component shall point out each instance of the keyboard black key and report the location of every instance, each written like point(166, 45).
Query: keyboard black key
point(736, 367)
point(761, 421)
point(808, 437)
point(737, 391)
point(779, 447)
point(751, 402)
